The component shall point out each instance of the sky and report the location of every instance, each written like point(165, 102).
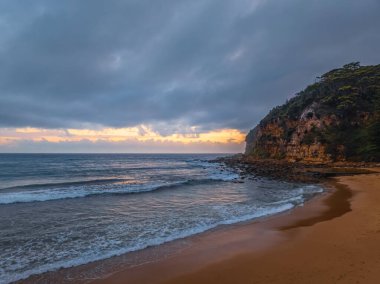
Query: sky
point(166, 75)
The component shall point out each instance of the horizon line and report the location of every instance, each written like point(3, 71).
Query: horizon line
point(137, 153)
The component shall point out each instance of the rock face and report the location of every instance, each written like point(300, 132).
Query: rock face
point(335, 119)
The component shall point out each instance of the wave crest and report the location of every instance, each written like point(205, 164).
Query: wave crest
point(73, 191)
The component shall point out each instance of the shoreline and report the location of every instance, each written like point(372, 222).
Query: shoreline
point(187, 260)
point(103, 268)
point(333, 250)
point(110, 266)
point(229, 255)
point(227, 241)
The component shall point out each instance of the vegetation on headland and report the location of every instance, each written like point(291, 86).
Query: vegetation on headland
point(338, 115)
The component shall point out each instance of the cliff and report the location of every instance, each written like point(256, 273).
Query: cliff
point(334, 119)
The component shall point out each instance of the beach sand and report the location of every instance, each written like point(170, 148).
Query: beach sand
point(335, 238)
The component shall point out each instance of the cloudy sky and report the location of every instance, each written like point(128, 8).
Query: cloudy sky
point(165, 75)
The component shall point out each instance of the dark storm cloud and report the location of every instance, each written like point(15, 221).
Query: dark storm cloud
point(211, 63)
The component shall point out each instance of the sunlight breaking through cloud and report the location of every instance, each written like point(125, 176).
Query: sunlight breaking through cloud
point(143, 134)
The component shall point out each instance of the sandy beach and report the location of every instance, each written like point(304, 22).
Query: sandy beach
point(332, 239)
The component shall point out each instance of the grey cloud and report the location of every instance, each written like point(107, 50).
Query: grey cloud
point(210, 63)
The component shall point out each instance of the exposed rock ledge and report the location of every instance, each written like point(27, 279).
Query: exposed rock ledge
point(249, 167)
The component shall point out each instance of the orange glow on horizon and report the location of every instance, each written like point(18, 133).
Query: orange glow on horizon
point(141, 133)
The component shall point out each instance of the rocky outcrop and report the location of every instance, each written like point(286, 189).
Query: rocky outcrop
point(285, 139)
point(335, 119)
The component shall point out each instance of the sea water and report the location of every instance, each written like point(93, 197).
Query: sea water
point(62, 210)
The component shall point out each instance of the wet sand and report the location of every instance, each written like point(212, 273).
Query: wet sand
point(335, 238)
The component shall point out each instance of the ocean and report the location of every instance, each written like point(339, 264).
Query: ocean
point(63, 210)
